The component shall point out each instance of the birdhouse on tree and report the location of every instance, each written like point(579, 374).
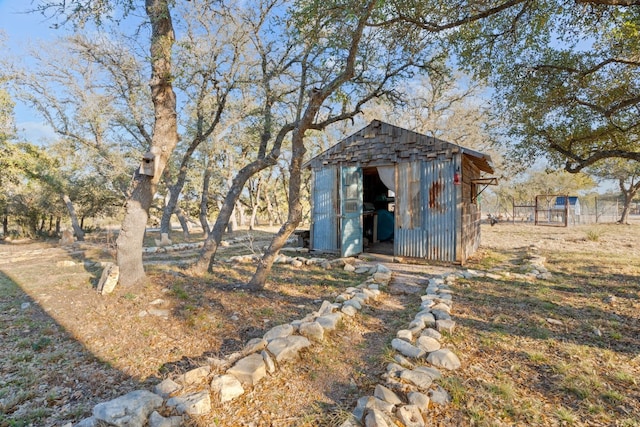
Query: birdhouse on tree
point(150, 162)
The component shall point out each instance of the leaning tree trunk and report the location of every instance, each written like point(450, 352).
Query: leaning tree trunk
point(259, 278)
point(77, 229)
point(204, 200)
point(629, 194)
point(184, 222)
point(164, 141)
point(207, 255)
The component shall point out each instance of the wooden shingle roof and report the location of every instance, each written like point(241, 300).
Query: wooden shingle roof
point(381, 143)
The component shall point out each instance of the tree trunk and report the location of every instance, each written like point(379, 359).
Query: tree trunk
point(176, 189)
point(629, 194)
point(207, 255)
point(164, 141)
point(57, 225)
point(77, 229)
point(184, 223)
point(204, 200)
point(258, 281)
point(256, 204)
point(130, 239)
point(5, 225)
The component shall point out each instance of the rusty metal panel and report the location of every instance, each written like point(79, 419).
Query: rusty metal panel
point(325, 213)
point(439, 215)
point(426, 201)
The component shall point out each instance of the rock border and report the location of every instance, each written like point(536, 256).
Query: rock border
point(408, 389)
point(242, 370)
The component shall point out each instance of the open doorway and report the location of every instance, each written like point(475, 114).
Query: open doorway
point(378, 218)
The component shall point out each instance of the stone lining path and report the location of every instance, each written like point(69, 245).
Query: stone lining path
point(406, 392)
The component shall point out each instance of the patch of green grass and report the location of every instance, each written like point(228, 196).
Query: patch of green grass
point(503, 389)
point(537, 357)
point(179, 292)
point(612, 396)
point(129, 296)
point(566, 415)
point(41, 344)
point(455, 387)
point(594, 234)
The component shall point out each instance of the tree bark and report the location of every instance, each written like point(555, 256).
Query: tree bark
point(176, 189)
point(184, 222)
point(204, 200)
point(5, 225)
point(255, 204)
point(207, 255)
point(258, 281)
point(77, 229)
point(305, 122)
point(629, 194)
point(164, 141)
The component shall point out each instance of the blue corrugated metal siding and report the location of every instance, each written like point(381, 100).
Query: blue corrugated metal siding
point(351, 212)
point(431, 231)
point(325, 217)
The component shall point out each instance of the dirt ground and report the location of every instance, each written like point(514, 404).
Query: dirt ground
point(65, 348)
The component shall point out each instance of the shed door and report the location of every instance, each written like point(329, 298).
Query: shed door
point(440, 213)
point(325, 204)
point(351, 209)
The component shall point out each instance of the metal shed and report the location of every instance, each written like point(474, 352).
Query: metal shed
point(416, 193)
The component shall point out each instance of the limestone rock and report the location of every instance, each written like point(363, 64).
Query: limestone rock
point(427, 317)
point(445, 325)
point(88, 422)
point(444, 358)
point(285, 349)
point(166, 388)
point(406, 348)
point(405, 334)
point(410, 416)
point(108, 279)
point(439, 396)
point(326, 308)
point(131, 410)
point(430, 332)
point(227, 386)
point(195, 375)
point(65, 263)
point(254, 345)
point(192, 404)
point(420, 400)
point(432, 372)
point(349, 310)
point(157, 420)
point(329, 321)
point(269, 364)
point(249, 370)
point(428, 344)
point(354, 302)
point(421, 380)
point(375, 419)
point(383, 393)
point(312, 330)
point(280, 331)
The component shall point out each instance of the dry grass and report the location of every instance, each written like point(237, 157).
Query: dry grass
point(73, 348)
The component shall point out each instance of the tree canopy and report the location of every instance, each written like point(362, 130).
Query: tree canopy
point(566, 78)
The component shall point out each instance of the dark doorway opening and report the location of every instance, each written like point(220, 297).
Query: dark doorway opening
point(378, 218)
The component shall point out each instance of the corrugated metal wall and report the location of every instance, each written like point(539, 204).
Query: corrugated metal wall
point(433, 237)
point(325, 216)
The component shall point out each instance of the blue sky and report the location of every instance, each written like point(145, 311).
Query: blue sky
point(20, 30)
